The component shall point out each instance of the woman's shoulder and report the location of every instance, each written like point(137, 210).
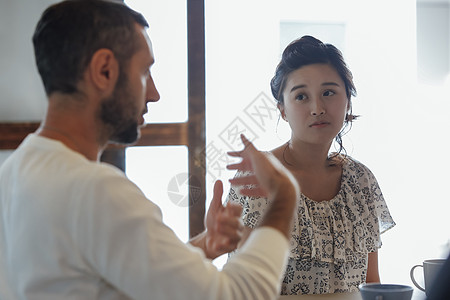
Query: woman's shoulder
point(354, 165)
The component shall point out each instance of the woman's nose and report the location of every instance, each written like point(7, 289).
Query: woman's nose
point(317, 107)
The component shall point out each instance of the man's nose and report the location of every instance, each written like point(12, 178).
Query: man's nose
point(152, 93)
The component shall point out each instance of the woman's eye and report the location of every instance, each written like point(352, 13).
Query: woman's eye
point(329, 93)
point(300, 97)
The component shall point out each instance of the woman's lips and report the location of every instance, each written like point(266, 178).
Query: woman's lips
point(319, 124)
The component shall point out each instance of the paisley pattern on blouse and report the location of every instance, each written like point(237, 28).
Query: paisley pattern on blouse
point(330, 240)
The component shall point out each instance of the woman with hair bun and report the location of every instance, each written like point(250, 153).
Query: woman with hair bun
point(341, 210)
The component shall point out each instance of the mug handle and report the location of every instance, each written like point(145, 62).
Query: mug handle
point(411, 274)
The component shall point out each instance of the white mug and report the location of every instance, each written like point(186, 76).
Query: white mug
point(431, 268)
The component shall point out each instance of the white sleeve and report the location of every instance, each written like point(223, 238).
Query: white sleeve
point(126, 243)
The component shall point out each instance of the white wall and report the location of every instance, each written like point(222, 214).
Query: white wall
point(22, 96)
point(433, 41)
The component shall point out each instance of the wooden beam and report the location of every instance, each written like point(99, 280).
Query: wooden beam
point(115, 157)
point(12, 134)
point(196, 106)
point(170, 134)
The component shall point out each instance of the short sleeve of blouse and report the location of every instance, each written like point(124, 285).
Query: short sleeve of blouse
point(366, 201)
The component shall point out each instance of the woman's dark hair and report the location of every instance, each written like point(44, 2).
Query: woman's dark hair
point(64, 42)
point(306, 51)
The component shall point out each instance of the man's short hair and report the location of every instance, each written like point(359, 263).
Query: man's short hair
point(70, 32)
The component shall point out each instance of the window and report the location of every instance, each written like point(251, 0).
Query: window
point(161, 173)
point(173, 123)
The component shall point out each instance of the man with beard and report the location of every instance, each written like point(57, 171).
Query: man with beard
point(74, 228)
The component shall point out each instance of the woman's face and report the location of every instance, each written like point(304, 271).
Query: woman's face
point(315, 103)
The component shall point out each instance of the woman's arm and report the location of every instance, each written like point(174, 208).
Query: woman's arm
point(372, 268)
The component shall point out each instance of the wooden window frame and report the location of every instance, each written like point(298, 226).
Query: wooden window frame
point(191, 133)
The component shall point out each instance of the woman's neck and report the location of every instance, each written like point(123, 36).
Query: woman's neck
point(303, 156)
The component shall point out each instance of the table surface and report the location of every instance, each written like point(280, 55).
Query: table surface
point(417, 295)
point(337, 296)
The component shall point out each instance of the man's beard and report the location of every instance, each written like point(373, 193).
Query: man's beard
point(118, 116)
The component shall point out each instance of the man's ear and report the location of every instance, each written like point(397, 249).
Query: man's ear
point(282, 111)
point(104, 70)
